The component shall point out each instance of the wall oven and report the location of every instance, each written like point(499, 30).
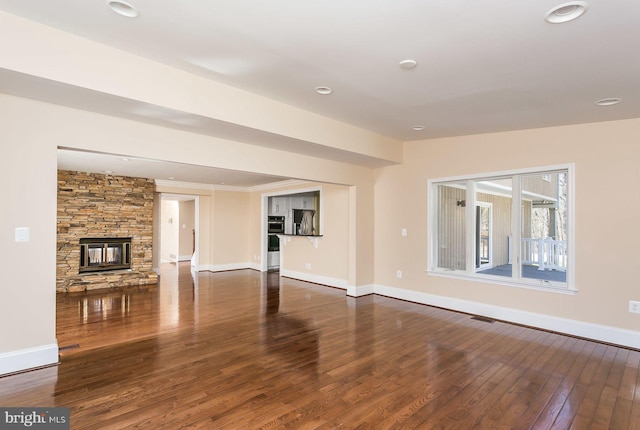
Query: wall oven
point(275, 225)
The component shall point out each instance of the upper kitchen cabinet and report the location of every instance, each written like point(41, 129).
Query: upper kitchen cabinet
point(279, 205)
point(303, 201)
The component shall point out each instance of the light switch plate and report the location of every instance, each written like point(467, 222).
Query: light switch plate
point(22, 234)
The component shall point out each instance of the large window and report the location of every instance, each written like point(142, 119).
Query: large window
point(507, 227)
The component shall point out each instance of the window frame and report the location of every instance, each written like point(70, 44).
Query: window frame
point(516, 280)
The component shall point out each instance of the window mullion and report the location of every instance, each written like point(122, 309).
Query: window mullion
point(470, 227)
point(516, 232)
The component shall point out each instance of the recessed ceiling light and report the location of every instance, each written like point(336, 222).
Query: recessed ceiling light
point(418, 127)
point(125, 159)
point(408, 64)
point(123, 8)
point(608, 102)
point(324, 90)
point(108, 172)
point(566, 12)
point(171, 177)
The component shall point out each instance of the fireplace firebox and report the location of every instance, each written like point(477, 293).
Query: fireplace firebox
point(105, 253)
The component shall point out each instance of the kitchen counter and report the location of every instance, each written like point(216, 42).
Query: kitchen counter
point(301, 235)
point(313, 238)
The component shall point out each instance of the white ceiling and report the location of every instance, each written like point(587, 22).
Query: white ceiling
point(482, 66)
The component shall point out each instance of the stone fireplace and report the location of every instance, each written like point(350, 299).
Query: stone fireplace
point(104, 231)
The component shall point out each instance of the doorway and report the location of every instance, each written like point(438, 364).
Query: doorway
point(177, 228)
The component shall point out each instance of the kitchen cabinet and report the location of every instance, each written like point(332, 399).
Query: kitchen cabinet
point(296, 202)
point(302, 201)
point(273, 260)
point(307, 202)
point(279, 205)
point(282, 205)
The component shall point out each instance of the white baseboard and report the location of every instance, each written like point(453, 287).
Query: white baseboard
point(316, 279)
point(255, 266)
point(583, 329)
point(223, 267)
point(25, 359)
point(184, 257)
point(360, 290)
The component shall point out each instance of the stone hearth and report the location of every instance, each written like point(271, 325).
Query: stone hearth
point(102, 206)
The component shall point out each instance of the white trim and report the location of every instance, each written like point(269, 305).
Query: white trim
point(224, 267)
point(292, 191)
point(30, 358)
point(316, 279)
point(527, 283)
point(254, 266)
point(490, 207)
point(186, 257)
point(285, 183)
point(470, 226)
point(500, 174)
point(582, 329)
point(179, 184)
point(360, 290)
point(571, 228)
point(210, 187)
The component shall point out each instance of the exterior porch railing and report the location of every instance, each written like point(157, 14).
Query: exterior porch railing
point(546, 253)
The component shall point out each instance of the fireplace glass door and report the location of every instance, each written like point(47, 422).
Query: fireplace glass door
point(99, 254)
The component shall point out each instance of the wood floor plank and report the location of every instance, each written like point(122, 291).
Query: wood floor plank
point(251, 350)
point(569, 370)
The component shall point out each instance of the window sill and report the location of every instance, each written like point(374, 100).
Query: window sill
point(537, 285)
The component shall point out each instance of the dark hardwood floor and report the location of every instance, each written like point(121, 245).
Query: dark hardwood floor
point(245, 350)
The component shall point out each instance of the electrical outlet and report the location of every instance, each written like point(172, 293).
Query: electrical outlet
point(399, 274)
point(404, 232)
point(634, 307)
point(307, 266)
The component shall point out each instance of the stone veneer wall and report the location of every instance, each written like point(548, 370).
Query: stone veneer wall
point(94, 205)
